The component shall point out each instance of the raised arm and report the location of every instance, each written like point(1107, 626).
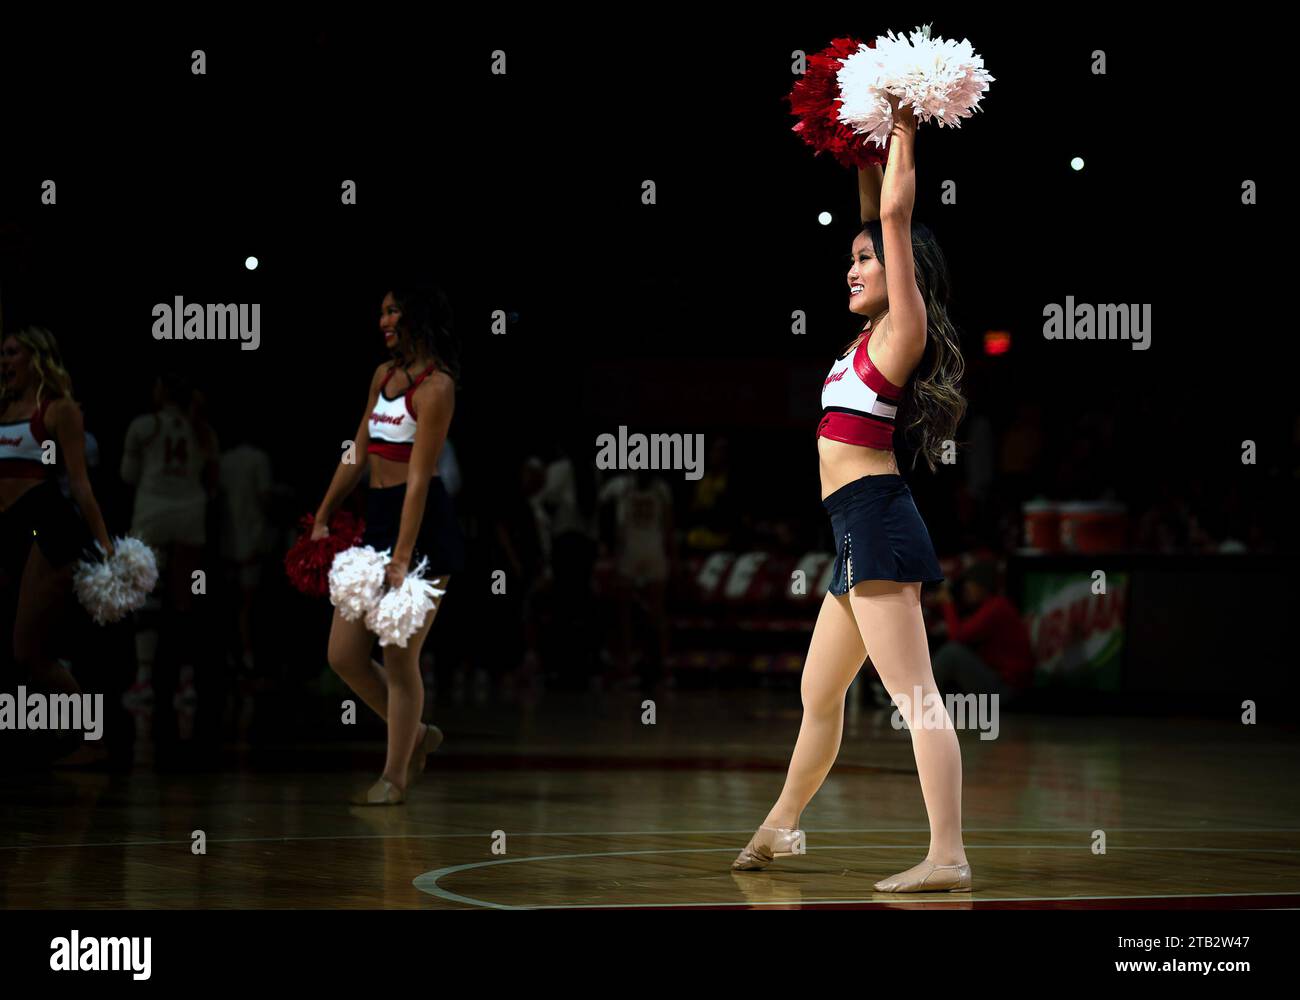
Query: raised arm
point(869, 180)
point(897, 197)
point(346, 476)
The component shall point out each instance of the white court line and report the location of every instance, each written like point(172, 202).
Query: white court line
point(428, 882)
point(1087, 830)
point(950, 899)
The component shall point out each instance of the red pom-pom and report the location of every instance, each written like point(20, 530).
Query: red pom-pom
point(815, 101)
point(308, 563)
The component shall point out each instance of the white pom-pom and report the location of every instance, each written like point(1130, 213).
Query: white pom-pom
point(111, 589)
point(400, 613)
point(939, 78)
point(357, 580)
point(136, 563)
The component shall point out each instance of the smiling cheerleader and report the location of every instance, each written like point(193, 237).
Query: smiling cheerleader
point(408, 515)
point(904, 367)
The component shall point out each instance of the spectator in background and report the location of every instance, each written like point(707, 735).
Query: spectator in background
point(645, 557)
point(712, 508)
point(199, 412)
point(518, 543)
point(246, 481)
point(569, 500)
point(988, 652)
point(171, 460)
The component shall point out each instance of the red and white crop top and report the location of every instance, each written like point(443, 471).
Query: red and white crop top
point(858, 403)
point(392, 421)
point(21, 447)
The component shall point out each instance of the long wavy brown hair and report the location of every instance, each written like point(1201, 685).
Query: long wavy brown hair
point(52, 378)
point(428, 318)
point(932, 405)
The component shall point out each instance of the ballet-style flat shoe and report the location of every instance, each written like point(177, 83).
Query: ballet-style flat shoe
point(931, 878)
point(420, 755)
point(768, 843)
point(382, 793)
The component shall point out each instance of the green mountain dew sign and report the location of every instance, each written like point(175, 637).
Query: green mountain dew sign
point(1077, 635)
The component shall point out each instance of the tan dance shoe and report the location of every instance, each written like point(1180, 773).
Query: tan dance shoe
point(420, 755)
point(769, 843)
point(382, 793)
point(928, 877)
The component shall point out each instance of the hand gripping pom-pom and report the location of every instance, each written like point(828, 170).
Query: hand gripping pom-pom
point(307, 564)
point(356, 580)
point(938, 78)
point(401, 612)
point(112, 588)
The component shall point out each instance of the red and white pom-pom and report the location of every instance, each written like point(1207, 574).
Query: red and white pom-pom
point(938, 78)
point(815, 101)
point(307, 564)
point(112, 588)
point(400, 613)
point(357, 580)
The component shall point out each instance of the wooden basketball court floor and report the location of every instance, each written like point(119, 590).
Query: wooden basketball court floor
point(570, 801)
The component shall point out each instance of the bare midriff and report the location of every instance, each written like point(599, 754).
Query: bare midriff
point(385, 472)
point(841, 463)
point(11, 490)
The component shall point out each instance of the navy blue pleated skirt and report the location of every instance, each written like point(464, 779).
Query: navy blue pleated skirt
point(440, 537)
point(879, 534)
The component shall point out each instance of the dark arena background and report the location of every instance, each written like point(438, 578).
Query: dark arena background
point(611, 743)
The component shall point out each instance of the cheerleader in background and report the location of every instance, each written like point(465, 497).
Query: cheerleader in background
point(41, 533)
point(408, 510)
